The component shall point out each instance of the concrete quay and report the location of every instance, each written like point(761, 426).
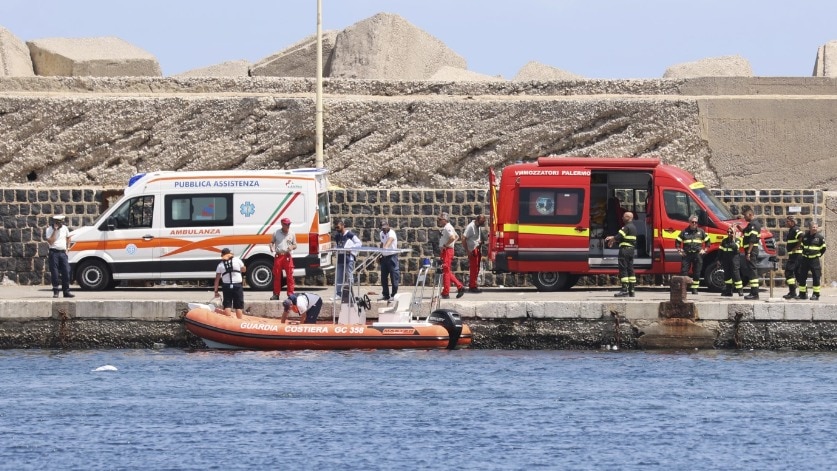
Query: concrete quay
point(500, 318)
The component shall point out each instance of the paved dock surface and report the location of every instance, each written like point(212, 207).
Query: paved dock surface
point(489, 295)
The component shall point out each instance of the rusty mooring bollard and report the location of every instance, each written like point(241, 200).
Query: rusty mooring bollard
point(677, 327)
point(679, 289)
point(678, 306)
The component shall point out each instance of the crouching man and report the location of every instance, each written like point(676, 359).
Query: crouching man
point(307, 305)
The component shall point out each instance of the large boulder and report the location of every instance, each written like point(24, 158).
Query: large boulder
point(452, 74)
point(535, 71)
point(388, 47)
point(726, 66)
point(14, 56)
point(95, 57)
point(823, 66)
point(297, 60)
point(240, 68)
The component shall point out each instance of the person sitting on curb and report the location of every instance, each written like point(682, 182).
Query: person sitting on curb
point(307, 305)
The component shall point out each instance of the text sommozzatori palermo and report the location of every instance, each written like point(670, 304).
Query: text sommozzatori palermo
point(556, 173)
point(216, 183)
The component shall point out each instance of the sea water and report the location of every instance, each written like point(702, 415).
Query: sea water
point(368, 410)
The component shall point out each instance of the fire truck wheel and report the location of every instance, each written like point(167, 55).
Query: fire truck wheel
point(713, 276)
point(550, 281)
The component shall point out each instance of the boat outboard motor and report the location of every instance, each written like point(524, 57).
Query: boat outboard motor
point(451, 321)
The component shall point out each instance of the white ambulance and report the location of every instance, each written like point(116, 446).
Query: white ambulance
point(173, 226)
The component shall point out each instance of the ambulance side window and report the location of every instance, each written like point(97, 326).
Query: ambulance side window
point(679, 205)
point(199, 210)
point(551, 205)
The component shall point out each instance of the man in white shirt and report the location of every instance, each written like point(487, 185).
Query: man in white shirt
point(472, 240)
point(389, 263)
point(307, 305)
point(58, 237)
point(447, 240)
point(228, 274)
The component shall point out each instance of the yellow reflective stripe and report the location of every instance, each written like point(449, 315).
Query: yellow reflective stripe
point(697, 185)
point(546, 230)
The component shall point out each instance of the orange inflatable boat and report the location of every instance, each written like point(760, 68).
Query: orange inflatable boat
point(443, 329)
point(398, 326)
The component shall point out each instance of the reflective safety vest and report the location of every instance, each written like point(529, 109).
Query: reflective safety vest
point(794, 239)
point(751, 235)
point(627, 235)
point(729, 244)
point(813, 245)
point(692, 240)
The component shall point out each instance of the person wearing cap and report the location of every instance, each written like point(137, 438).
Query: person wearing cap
point(390, 272)
point(228, 274)
point(58, 238)
point(793, 244)
point(691, 244)
point(282, 247)
point(472, 240)
point(730, 262)
point(447, 240)
point(307, 305)
point(344, 239)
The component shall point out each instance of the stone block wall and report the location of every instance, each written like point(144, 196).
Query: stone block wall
point(25, 214)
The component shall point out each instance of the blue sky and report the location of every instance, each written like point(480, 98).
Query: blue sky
point(609, 39)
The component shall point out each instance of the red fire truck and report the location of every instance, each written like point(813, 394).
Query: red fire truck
point(549, 218)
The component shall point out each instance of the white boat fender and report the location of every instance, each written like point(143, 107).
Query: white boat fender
point(451, 321)
point(208, 307)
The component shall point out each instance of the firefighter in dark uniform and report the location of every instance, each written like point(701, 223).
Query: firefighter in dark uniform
point(691, 244)
point(813, 248)
point(730, 263)
point(626, 238)
point(794, 248)
point(750, 253)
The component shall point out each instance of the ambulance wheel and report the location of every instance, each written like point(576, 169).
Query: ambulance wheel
point(552, 281)
point(260, 274)
point(93, 275)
